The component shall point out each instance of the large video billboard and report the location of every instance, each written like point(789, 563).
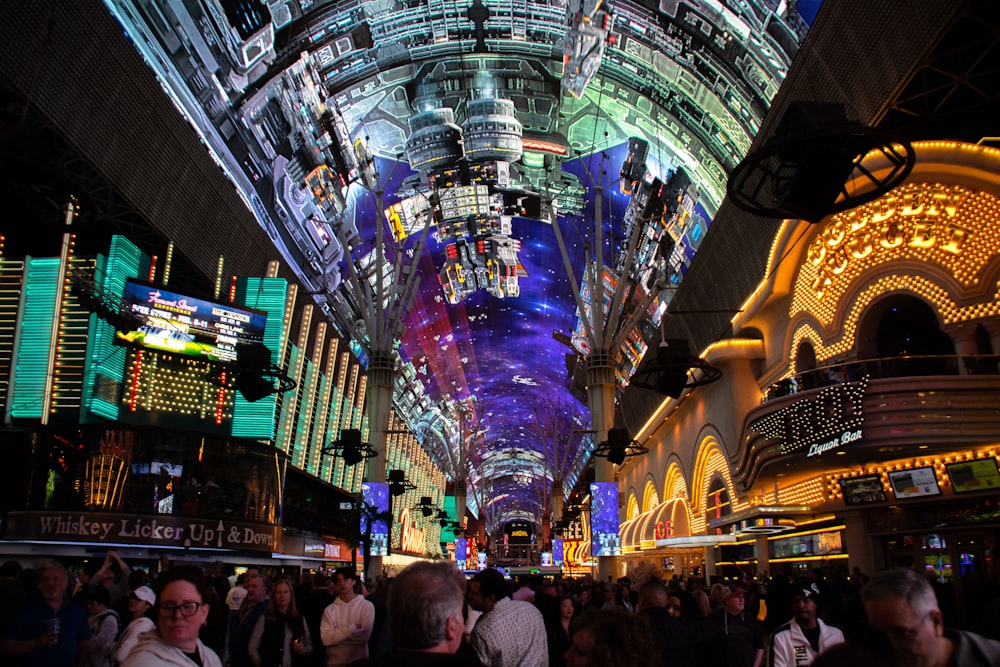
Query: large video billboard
point(375, 496)
point(604, 538)
point(170, 322)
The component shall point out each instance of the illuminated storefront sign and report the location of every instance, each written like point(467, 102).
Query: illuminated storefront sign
point(412, 538)
point(326, 550)
point(819, 448)
point(167, 531)
point(828, 420)
point(663, 529)
point(920, 217)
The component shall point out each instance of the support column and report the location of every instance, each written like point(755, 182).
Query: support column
point(763, 556)
point(857, 543)
point(709, 570)
point(557, 500)
point(379, 397)
point(964, 338)
point(460, 500)
point(601, 394)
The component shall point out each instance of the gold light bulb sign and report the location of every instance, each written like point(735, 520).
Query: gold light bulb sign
point(107, 470)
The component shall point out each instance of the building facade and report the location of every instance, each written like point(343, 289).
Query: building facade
point(855, 424)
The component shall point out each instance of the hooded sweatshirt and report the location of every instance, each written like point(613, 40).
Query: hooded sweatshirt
point(345, 629)
point(151, 651)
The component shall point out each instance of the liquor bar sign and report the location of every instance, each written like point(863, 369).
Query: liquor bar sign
point(167, 531)
point(826, 420)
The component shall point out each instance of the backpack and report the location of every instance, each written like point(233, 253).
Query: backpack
point(118, 624)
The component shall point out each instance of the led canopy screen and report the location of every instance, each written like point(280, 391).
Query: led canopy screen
point(969, 476)
point(604, 538)
point(375, 496)
point(914, 483)
point(170, 322)
point(863, 489)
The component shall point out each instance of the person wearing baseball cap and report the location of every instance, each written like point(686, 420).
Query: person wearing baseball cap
point(741, 639)
point(140, 602)
point(800, 640)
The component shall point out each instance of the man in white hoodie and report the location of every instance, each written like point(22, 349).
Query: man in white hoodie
point(800, 640)
point(347, 623)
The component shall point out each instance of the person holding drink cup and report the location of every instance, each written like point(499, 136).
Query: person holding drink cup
point(281, 637)
point(52, 629)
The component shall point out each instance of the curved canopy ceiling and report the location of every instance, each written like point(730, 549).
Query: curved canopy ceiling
point(307, 106)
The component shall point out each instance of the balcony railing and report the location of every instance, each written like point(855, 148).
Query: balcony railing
point(890, 367)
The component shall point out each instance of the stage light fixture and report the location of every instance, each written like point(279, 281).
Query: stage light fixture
point(669, 374)
point(618, 447)
point(398, 484)
point(426, 506)
point(350, 448)
point(252, 374)
point(803, 170)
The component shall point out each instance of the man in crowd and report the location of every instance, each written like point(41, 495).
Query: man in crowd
point(51, 629)
point(797, 642)
point(113, 575)
point(510, 633)
point(524, 591)
point(902, 604)
point(312, 608)
point(347, 623)
point(104, 625)
point(676, 636)
point(741, 639)
point(425, 618)
point(254, 605)
point(234, 601)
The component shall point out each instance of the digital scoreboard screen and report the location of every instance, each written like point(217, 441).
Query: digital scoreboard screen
point(170, 322)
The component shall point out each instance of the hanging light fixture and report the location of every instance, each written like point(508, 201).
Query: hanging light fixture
point(619, 446)
point(350, 448)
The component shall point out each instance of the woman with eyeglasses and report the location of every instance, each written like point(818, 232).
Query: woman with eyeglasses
point(140, 601)
point(181, 612)
point(281, 637)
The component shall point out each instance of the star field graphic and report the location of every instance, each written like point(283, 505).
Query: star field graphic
point(502, 352)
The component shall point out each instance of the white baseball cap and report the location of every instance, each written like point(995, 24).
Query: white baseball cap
point(146, 594)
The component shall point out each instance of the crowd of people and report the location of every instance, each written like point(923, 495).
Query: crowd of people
point(429, 615)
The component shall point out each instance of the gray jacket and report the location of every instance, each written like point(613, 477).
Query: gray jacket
point(971, 650)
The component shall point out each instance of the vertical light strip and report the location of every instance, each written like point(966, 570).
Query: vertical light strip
point(57, 312)
point(33, 339)
point(106, 362)
point(167, 263)
point(258, 420)
point(218, 276)
point(11, 293)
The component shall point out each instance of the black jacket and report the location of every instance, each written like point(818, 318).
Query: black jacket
point(677, 638)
